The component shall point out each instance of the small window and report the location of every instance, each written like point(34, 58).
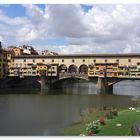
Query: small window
point(105, 60)
point(43, 60)
point(33, 60)
point(52, 60)
point(13, 60)
point(83, 60)
point(117, 60)
point(62, 60)
point(129, 60)
point(24, 60)
point(94, 60)
point(53, 68)
point(73, 60)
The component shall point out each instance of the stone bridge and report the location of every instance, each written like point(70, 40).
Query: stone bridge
point(104, 84)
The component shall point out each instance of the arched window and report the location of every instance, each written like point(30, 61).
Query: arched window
point(62, 68)
point(72, 69)
point(83, 69)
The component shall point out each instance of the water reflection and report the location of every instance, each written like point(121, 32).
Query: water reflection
point(27, 112)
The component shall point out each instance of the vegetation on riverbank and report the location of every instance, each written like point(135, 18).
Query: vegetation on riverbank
point(118, 126)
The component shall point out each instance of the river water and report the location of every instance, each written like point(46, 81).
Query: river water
point(32, 112)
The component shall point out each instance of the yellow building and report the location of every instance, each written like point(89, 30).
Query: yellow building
point(17, 51)
point(103, 69)
point(41, 69)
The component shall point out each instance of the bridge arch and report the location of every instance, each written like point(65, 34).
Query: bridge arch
point(73, 69)
point(83, 69)
point(62, 68)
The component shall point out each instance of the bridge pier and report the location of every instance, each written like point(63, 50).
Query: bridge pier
point(43, 83)
point(103, 87)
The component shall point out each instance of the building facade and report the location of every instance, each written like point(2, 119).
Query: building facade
point(3, 64)
point(111, 65)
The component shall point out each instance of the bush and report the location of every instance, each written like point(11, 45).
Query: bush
point(112, 114)
point(115, 112)
point(102, 120)
point(93, 127)
point(90, 133)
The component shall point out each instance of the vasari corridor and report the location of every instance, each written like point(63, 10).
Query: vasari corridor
point(74, 77)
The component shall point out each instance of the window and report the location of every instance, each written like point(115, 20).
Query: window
point(129, 60)
point(13, 60)
point(24, 60)
point(62, 60)
point(73, 60)
point(83, 60)
point(94, 60)
point(117, 60)
point(43, 60)
point(53, 68)
point(33, 60)
point(52, 60)
point(105, 60)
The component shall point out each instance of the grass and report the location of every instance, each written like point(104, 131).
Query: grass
point(125, 117)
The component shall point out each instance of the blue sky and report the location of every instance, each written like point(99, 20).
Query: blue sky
point(72, 28)
point(17, 10)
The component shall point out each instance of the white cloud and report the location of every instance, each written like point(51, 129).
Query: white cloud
point(67, 20)
point(102, 29)
point(128, 49)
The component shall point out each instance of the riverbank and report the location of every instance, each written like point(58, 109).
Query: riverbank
point(118, 126)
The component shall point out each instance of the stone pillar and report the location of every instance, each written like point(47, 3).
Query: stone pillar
point(102, 85)
point(43, 83)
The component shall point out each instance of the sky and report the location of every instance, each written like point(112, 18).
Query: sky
point(72, 29)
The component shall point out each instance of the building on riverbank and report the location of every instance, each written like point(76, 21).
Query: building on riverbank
point(4, 62)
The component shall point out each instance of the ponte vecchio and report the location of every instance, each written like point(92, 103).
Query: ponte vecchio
point(108, 69)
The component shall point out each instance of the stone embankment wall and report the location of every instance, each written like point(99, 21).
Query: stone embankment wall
point(19, 83)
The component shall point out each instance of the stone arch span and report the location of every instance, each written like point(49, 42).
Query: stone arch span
point(59, 83)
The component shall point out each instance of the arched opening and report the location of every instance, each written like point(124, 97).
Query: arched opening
point(62, 68)
point(83, 69)
point(72, 69)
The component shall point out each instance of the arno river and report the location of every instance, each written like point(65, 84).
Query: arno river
point(32, 112)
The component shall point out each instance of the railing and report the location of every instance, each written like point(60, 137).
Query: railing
point(73, 75)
